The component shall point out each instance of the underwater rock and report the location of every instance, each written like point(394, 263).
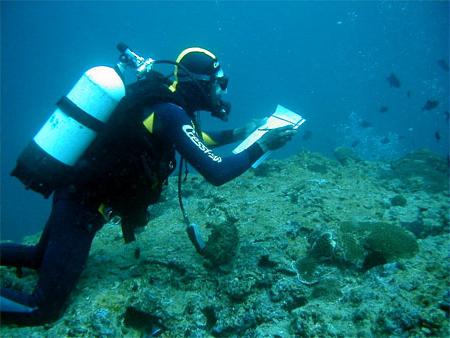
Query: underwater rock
point(317, 164)
point(222, 243)
point(102, 323)
point(391, 241)
point(360, 244)
point(289, 294)
point(211, 316)
point(416, 227)
point(266, 262)
point(378, 242)
point(265, 169)
point(422, 170)
point(398, 200)
point(318, 168)
point(292, 228)
point(346, 155)
point(313, 321)
point(329, 290)
point(142, 321)
point(275, 330)
point(323, 245)
point(307, 267)
point(239, 287)
point(234, 322)
point(444, 305)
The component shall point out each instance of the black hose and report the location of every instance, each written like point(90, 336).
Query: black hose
point(180, 196)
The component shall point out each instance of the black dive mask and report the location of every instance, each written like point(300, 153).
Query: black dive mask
point(222, 82)
point(219, 107)
point(208, 97)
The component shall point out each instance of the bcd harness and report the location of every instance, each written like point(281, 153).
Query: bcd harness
point(130, 191)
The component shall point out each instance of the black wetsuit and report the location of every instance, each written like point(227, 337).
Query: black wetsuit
point(62, 251)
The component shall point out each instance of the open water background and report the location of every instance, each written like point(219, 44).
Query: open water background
point(325, 60)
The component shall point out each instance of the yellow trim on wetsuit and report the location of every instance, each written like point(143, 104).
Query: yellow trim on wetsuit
point(148, 122)
point(102, 209)
point(209, 141)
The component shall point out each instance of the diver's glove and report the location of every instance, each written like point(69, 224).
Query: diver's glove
point(276, 138)
point(242, 132)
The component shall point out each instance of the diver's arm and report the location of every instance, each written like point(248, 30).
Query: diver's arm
point(224, 137)
point(175, 126)
point(218, 138)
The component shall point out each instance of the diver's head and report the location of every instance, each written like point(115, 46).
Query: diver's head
point(200, 78)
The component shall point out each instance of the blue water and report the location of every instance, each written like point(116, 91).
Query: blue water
point(325, 60)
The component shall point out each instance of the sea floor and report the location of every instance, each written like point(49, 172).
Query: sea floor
point(302, 247)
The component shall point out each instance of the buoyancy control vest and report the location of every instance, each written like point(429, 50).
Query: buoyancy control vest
point(118, 150)
point(126, 165)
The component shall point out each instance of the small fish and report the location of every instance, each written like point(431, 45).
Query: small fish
point(383, 109)
point(443, 64)
point(430, 104)
point(437, 135)
point(307, 135)
point(355, 143)
point(385, 140)
point(393, 81)
point(365, 124)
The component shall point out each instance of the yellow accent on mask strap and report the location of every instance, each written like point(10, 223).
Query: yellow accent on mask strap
point(208, 139)
point(148, 122)
point(173, 86)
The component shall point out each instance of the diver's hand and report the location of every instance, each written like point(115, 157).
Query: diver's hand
point(276, 138)
point(242, 132)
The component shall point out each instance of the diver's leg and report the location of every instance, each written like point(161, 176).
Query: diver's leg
point(20, 255)
point(71, 229)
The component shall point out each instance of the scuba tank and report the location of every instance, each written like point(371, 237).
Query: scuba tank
point(48, 160)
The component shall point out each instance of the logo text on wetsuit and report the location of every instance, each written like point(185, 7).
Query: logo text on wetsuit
point(190, 132)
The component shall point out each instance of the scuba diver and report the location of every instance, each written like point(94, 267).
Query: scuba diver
point(122, 172)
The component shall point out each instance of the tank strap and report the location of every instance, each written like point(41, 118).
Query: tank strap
point(78, 114)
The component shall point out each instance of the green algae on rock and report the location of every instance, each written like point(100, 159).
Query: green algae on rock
point(376, 242)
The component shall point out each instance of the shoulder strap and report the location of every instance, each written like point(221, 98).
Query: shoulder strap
point(154, 88)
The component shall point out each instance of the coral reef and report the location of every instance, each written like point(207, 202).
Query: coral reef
point(302, 247)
